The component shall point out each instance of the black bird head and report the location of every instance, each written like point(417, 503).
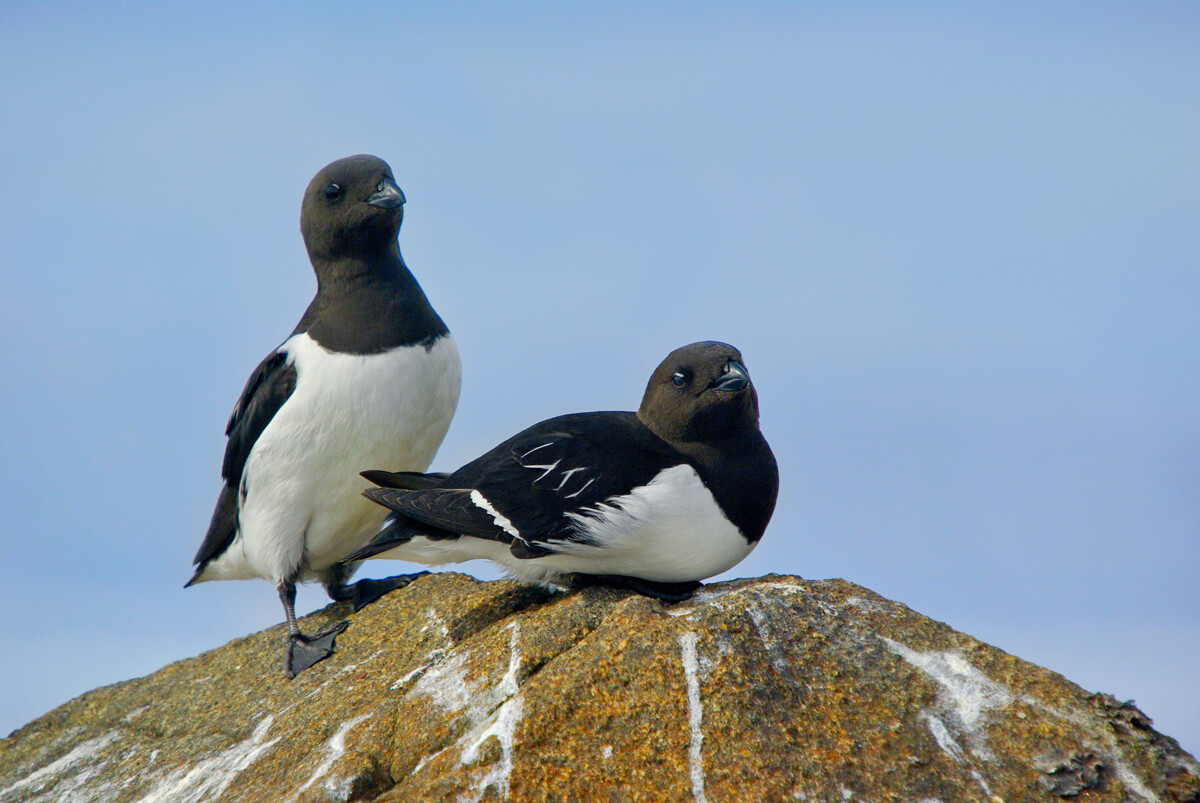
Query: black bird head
point(700, 392)
point(352, 208)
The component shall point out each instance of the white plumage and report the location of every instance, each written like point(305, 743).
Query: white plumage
point(301, 497)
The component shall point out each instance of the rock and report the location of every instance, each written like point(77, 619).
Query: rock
point(1067, 776)
point(455, 689)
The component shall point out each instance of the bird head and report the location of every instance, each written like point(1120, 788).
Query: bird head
point(700, 392)
point(352, 207)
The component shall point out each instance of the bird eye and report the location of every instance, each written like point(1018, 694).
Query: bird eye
point(678, 379)
point(333, 192)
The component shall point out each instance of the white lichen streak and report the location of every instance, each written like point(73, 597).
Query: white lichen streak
point(759, 617)
point(691, 676)
point(403, 681)
point(945, 741)
point(502, 724)
point(427, 759)
point(705, 598)
point(783, 588)
point(1134, 784)
point(209, 779)
point(963, 692)
point(135, 713)
point(492, 712)
point(435, 655)
point(67, 773)
point(952, 748)
point(445, 682)
point(868, 605)
point(334, 749)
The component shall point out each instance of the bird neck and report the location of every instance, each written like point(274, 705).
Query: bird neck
point(713, 450)
point(365, 305)
point(350, 272)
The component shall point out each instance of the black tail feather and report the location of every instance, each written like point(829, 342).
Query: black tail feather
point(404, 480)
point(395, 532)
point(384, 496)
point(221, 531)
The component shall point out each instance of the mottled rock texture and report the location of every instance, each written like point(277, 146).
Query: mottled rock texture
point(455, 689)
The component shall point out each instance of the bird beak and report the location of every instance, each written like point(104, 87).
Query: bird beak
point(387, 195)
point(734, 378)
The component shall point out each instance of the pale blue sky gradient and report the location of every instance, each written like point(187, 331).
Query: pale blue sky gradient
point(958, 246)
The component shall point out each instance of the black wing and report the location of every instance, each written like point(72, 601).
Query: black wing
point(269, 386)
point(432, 512)
point(520, 492)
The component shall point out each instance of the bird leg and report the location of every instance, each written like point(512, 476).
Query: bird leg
point(365, 591)
point(667, 592)
point(304, 651)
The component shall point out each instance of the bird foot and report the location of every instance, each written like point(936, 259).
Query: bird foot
point(367, 590)
point(304, 651)
point(667, 592)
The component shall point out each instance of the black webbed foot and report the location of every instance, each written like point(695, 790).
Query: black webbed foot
point(304, 651)
point(667, 592)
point(367, 590)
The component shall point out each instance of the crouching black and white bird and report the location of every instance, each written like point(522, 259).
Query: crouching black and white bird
point(370, 376)
point(654, 501)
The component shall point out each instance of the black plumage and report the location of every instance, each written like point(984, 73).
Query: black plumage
point(531, 491)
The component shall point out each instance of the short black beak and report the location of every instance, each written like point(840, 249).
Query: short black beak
point(387, 195)
point(734, 378)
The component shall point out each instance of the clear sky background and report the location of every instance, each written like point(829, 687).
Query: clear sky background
point(957, 244)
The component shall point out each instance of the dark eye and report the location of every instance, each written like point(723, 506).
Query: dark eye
point(678, 379)
point(333, 192)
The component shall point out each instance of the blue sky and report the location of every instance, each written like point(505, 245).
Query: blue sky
point(957, 246)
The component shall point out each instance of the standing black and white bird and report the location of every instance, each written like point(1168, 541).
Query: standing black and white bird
point(370, 376)
point(654, 501)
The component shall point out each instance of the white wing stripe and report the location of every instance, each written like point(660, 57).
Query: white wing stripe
point(499, 518)
point(581, 490)
point(567, 476)
point(534, 449)
point(548, 468)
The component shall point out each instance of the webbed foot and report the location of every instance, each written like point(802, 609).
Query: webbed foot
point(667, 592)
point(367, 590)
point(304, 651)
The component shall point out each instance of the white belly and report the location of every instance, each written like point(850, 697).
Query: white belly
point(303, 506)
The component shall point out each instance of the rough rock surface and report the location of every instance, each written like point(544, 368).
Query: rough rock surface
point(455, 689)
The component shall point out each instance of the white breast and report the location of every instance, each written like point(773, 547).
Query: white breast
point(348, 413)
point(670, 530)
